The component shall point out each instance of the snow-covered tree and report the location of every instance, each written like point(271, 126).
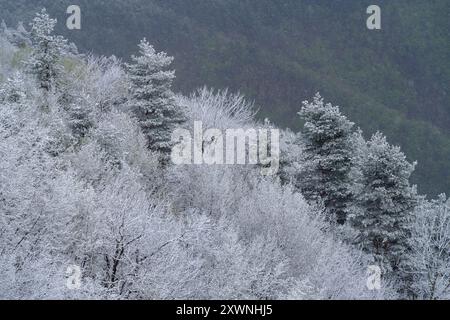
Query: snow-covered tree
point(152, 100)
point(48, 49)
point(102, 81)
point(219, 109)
point(332, 269)
point(329, 157)
point(7, 55)
point(430, 256)
point(94, 88)
point(292, 157)
point(13, 89)
point(384, 213)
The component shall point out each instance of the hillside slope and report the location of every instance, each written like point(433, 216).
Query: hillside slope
point(281, 52)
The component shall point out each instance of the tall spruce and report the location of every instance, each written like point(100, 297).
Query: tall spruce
point(329, 157)
point(152, 100)
point(384, 209)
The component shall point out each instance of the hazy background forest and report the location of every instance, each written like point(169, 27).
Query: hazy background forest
point(281, 52)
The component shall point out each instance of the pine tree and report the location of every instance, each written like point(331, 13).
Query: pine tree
point(384, 214)
point(47, 51)
point(21, 29)
point(79, 117)
point(329, 157)
point(152, 100)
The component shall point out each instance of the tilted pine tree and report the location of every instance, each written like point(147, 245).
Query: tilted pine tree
point(329, 157)
point(47, 51)
point(152, 100)
point(384, 208)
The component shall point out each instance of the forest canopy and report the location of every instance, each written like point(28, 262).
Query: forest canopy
point(86, 183)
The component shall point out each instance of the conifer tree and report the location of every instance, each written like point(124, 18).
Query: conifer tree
point(384, 215)
point(47, 51)
point(329, 157)
point(152, 100)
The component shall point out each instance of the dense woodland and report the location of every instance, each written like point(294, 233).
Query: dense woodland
point(282, 52)
point(85, 180)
